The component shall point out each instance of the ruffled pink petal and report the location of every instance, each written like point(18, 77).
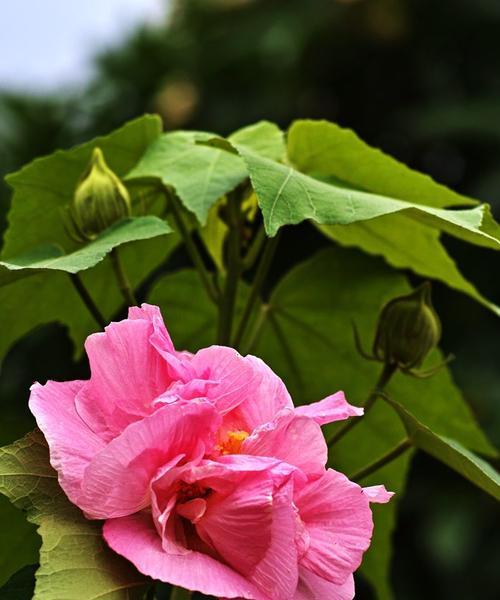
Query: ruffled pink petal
point(313, 587)
point(277, 573)
point(238, 525)
point(177, 362)
point(296, 440)
point(330, 409)
point(151, 313)
point(235, 376)
point(339, 522)
point(377, 494)
point(266, 397)
point(72, 444)
point(127, 374)
point(136, 538)
point(117, 481)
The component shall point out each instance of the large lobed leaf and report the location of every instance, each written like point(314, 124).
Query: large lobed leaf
point(202, 172)
point(75, 563)
point(325, 149)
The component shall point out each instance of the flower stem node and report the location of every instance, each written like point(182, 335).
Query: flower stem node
point(408, 329)
point(100, 199)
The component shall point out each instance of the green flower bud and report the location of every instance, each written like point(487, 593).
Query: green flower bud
point(408, 328)
point(100, 199)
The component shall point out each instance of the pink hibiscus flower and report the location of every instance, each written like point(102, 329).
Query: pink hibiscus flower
point(206, 475)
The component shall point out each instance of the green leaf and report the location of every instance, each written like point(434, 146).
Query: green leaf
point(51, 257)
point(450, 452)
point(41, 191)
point(287, 197)
point(19, 543)
point(323, 148)
point(201, 173)
point(75, 562)
point(389, 237)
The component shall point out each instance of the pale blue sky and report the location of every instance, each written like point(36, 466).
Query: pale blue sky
point(46, 44)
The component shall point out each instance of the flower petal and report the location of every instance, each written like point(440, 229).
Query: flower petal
point(330, 409)
point(339, 522)
point(127, 374)
point(296, 440)
point(238, 525)
point(117, 481)
point(377, 494)
point(277, 573)
point(136, 538)
point(313, 587)
point(234, 374)
point(72, 444)
point(266, 397)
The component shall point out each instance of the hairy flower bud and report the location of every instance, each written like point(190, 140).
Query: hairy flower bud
point(408, 328)
point(100, 199)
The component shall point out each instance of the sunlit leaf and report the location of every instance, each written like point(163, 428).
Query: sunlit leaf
point(201, 173)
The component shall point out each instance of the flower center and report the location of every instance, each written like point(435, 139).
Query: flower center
point(231, 443)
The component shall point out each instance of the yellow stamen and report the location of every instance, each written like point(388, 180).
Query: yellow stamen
point(231, 444)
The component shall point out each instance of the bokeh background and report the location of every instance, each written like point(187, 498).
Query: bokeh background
point(418, 78)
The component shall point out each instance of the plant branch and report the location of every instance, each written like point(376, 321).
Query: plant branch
point(191, 248)
point(260, 277)
point(228, 299)
point(87, 299)
point(122, 279)
point(388, 371)
point(384, 460)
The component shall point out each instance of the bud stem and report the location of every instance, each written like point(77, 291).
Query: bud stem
point(87, 300)
point(259, 279)
point(122, 279)
point(385, 459)
point(387, 372)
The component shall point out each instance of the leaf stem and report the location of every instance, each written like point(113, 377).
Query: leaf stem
point(228, 299)
point(384, 460)
point(87, 299)
point(191, 248)
point(179, 593)
point(387, 372)
point(122, 279)
point(260, 277)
